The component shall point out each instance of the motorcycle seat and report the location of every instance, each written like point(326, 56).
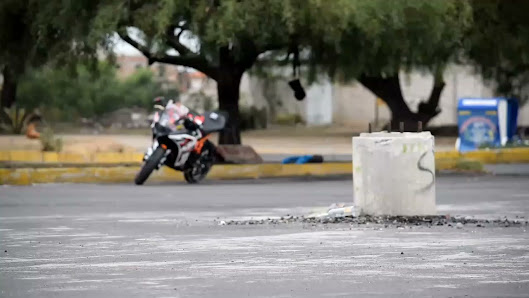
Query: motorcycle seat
point(213, 122)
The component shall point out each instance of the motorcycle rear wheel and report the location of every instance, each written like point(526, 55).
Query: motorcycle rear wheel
point(150, 164)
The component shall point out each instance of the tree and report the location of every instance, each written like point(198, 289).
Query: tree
point(15, 40)
point(228, 35)
point(498, 45)
point(384, 38)
point(368, 40)
point(35, 33)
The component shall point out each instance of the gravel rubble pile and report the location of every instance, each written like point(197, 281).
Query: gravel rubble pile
point(388, 221)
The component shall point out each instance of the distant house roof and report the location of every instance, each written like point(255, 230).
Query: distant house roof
point(197, 75)
point(135, 58)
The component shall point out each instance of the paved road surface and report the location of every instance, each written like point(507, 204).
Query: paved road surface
point(162, 241)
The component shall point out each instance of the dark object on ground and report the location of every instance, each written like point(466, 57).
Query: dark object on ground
point(303, 159)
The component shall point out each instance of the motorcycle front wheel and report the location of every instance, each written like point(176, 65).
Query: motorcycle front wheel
point(201, 167)
point(150, 164)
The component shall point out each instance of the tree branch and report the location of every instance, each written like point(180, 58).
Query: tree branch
point(179, 47)
point(143, 49)
point(431, 107)
point(180, 33)
point(383, 87)
point(174, 41)
point(194, 61)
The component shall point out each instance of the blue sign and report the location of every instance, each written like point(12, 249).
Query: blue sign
point(486, 121)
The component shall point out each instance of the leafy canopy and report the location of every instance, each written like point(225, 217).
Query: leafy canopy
point(383, 37)
point(33, 33)
point(200, 31)
point(352, 36)
point(498, 44)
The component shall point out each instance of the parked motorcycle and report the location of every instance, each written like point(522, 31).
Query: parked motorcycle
point(181, 144)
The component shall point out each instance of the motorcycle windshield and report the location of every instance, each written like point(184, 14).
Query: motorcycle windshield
point(168, 119)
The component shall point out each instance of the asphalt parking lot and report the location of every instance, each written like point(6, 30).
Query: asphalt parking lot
point(70, 240)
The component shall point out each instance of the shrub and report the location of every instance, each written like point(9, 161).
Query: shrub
point(289, 119)
point(469, 165)
point(14, 120)
point(253, 118)
point(48, 141)
point(64, 97)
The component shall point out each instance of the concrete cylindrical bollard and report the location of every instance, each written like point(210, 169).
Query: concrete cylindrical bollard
point(394, 173)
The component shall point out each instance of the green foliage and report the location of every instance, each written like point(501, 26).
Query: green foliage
point(515, 144)
point(48, 141)
point(289, 119)
point(253, 118)
point(63, 97)
point(233, 31)
point(15, 120)
point(383, 37)
point(469, 166)
point(34, 33)
point(223, 38)
point(498, 44)
point(344, 38)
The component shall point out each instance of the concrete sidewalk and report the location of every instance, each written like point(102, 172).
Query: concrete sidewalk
point(266, 143)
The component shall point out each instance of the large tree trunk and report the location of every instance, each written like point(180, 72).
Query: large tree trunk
point(9, 88)
point(228, 92)
point(388, 89)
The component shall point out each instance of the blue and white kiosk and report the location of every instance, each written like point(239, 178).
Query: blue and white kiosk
point(486, 121)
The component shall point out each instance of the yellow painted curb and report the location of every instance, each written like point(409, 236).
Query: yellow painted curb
point(125, 174)
point(508, 155)
point(53, 157)
point(122, 174)
point(26, 156)
point(447, 155)
point(111, 157)
point(5, 156)
point(444, 164)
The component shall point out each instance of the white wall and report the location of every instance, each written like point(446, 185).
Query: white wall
point(354, 105)
point(523, 116)
point(276, 97)
point(319, 103)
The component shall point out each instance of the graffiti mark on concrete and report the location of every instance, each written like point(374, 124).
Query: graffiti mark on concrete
point(425, 169)
point(383, 142)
